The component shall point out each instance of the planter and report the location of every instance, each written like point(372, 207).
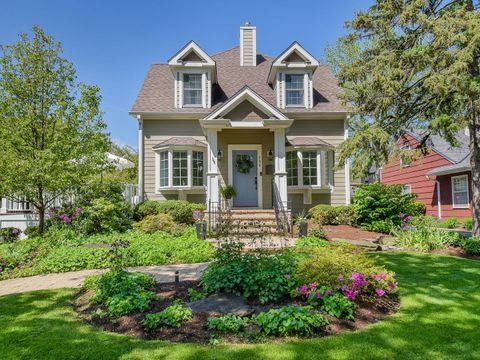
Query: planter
point(303, 229)
point(201, 228)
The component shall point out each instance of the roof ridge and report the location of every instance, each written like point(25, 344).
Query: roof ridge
point(224, 51)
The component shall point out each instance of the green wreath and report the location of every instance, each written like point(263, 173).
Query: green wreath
point(244, 164)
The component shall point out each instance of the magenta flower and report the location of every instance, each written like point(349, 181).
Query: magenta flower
point(379, 292)
point(318, 295)
point(302, 289)
point(392, 285)
point(350, 294)
point(15, 231)
point(312, 286)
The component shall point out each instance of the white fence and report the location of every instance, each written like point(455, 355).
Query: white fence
point(20, 214)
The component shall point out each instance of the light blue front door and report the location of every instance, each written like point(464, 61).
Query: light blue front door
point(245, 178)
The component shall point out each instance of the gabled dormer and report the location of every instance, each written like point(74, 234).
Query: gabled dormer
point(194, 71)
point(291, 76)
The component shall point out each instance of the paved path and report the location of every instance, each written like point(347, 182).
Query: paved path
point(74, 279)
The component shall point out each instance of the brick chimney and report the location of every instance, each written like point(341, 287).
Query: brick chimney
point(248, 45)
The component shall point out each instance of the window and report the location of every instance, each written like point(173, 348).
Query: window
point(405, 162)
point(460, 196)
point(164, 168)
point(309, 167)
point(197, 168)
point(192, 89)
point(180, 168)
point(407, 189)
point(294, 89)
point(292, 168)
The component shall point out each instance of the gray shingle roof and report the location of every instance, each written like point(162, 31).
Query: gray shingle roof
point(180, 141)
point(157, 95)
point(440, 145)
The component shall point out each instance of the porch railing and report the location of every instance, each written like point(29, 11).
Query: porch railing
point(283, 211)
point(218, 212)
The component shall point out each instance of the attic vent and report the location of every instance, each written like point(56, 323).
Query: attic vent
point(248, 45)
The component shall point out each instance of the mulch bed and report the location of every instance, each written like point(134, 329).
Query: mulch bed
point(349, 233)
point(195, 329)
point(456, 251)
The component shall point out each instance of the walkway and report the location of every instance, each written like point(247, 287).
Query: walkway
point(74, 279)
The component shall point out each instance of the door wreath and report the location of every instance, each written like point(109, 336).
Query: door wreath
point(244, 164)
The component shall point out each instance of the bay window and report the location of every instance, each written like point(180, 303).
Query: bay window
point(310, 167)
point(179, 168)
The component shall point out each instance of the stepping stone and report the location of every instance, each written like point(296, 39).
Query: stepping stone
point(220, 304)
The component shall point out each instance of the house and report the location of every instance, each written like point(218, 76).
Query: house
point(441, 178)
point(268, 126)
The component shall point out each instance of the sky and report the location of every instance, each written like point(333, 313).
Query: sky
point(113, 43)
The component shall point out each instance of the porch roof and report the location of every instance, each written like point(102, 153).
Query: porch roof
point(307, 141)
point(180, 141)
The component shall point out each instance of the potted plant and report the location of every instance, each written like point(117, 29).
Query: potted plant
point(200, 224)
point(301, 220)
point(228, 192)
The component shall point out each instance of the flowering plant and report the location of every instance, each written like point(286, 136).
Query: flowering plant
point(359, 284)
point(405, 220)
point(198, 215)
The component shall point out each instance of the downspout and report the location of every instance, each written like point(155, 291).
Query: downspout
point(141, 183)
point(439, 199)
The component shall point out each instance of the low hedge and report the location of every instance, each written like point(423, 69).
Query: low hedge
point(181, 211)
point(334, 215)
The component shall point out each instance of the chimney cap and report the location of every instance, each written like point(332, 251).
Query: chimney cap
point(248, 23)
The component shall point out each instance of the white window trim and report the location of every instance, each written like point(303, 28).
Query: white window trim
point(170, 186)
point(407, 188)
point(323, 180)
point(460, 206)
point(404, 147)
point(282, 89)
point(206, 82)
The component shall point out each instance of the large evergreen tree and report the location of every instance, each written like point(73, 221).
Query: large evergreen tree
point(418, 68)
point(51, 131)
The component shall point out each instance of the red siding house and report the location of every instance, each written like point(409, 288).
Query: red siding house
point(441, 178)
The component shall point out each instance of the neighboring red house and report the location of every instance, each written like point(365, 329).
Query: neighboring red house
point(441, 178)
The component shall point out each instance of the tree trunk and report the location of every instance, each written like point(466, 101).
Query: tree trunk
point(41, 220)
point(475, 164)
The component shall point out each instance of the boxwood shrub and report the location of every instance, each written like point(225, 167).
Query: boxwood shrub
point(181, 211)
point(334, 215)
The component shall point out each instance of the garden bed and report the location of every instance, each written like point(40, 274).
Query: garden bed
point(456, 251)
point(196, 329)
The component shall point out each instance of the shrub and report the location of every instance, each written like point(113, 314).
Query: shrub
point(468, 223)
point(378, 206)
point(334, 215)
point(160, 222)
point(338, 305)
point(9, 234)
point(333, 266)
point(324, 214)
point(195, 295)
point(451, 223)
point(172, 316)
point(311, 241)
point(104, 215)
point(181, 211)
point(32, 231)
point(226, 324)
point(290, 320)
point(256, 275)
point(318, 232)
point(121, 292)
point(17, 254)
point(472, 245)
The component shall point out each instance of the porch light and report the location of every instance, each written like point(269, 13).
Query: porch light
point(219, 154)
point(270, 154)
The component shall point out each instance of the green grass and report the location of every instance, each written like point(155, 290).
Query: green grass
point(439, 319)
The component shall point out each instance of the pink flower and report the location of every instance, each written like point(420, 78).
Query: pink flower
point(302, 289)
point(329, 292)
point(392, 285)
point(350, 294)
point(318, 295)
point(379, 292)
point(312, 286)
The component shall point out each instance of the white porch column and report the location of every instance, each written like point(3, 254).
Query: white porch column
point(213, 186)
point(280, 165)
point(141, 170)
point(3, 205)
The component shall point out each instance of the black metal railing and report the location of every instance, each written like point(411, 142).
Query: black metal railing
point(218, 213)
point(283, 211)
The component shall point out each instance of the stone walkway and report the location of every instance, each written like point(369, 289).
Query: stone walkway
point(74, 279)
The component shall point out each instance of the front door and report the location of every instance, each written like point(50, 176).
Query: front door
point(245, 180)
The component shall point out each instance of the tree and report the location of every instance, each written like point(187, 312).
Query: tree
point(418, 68)
point(51, 128)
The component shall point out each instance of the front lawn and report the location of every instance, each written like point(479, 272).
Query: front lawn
point(439, 318)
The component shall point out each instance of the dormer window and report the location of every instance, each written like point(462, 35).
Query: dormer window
point(192, 90)
point(294, 90)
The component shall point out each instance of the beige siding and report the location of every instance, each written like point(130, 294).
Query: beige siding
point(332, 131)
point(246, 111)
point(156, 131)
point(248, 47)
point(252, 137)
